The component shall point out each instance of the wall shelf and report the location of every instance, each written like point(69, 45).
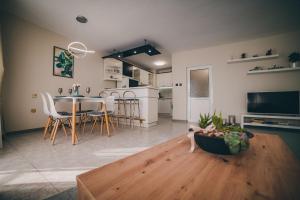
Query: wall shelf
point(252, 59)
point(273, 70)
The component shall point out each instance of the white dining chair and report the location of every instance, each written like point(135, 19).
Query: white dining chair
point(46, 111)
point(58, 119)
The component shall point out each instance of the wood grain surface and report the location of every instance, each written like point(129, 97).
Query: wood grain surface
point(268, 170)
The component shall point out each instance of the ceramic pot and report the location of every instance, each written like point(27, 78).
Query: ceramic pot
point(295, 64)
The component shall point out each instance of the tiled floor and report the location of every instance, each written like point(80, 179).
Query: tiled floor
point(31, 168)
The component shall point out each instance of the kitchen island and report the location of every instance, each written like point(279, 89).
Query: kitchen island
point(148, 100)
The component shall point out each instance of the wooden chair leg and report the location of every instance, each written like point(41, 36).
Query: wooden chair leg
point(55, 131)
point(84, 123)
point(64, 128)
point(101, 131)
point(69, 123)
point(99, 124)
point(76, 137)
point(83, 127)
point(94, 124)
point(48, 123)
point(112, 124)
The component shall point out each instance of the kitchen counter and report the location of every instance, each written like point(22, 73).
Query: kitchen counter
point(148, 98)
point(140, 87)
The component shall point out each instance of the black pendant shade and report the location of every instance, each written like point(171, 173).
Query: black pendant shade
point(148, 49)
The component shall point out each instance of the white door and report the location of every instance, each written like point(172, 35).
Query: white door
point(199, 81)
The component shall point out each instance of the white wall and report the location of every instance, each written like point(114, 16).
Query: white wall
point(230, 81)
point(28, 54)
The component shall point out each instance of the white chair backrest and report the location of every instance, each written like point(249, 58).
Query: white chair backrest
point(45, 105)
point(52, 106)
point(110, 103)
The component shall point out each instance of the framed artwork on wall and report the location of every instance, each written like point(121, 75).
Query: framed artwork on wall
point(63, 63)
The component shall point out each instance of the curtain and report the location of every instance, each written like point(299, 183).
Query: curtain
point(1, 79)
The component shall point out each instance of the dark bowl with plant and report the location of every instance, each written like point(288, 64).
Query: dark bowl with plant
point(216, 137)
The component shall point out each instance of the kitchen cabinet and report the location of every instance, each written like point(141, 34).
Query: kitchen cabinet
point(144, 77)
point(164, 80)
point(165, 106)
point(113, 69)
point(124, 83)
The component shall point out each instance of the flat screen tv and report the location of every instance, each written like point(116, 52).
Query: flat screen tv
point(285, 102)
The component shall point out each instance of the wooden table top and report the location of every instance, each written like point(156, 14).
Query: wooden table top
point(268, 170)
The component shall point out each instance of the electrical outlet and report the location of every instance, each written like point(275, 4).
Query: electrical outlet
point(33, 110)
point(34, 96)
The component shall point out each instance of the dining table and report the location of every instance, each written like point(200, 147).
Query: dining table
point(80, 99)
point(267, 170)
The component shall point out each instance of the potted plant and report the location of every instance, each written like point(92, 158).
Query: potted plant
point(294, 59)
point(215, 137)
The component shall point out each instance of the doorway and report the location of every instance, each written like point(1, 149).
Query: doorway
point(199, 85)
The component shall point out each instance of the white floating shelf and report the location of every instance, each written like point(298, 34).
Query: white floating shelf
point(273, 70)
point(252, 58)
point(272, 125)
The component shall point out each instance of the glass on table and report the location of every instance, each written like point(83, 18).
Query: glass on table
point(70, 91)
point(60, 90)
point(88, 90)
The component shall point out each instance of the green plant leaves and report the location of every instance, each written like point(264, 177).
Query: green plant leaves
point(205, 120)
point(65, 61)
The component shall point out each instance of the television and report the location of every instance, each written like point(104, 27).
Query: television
point(284, 102)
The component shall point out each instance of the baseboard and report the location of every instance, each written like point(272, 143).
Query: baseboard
point(25, 131)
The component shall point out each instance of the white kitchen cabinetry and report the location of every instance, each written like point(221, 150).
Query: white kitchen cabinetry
point(144, 77)
point(124, 83)
point(113, 69)
point(164, 80)
point(165, 106)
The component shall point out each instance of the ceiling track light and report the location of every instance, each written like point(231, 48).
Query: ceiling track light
point(147, 49)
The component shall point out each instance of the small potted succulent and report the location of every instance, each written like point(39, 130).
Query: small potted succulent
point(294, 59)
point(214, 136)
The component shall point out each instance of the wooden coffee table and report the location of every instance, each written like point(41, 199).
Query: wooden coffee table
point(268, 170)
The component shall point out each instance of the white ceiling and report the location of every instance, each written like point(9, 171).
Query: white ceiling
point(172, 25)
point(147, 62)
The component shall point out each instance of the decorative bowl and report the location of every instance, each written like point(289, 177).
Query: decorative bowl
point(214, 144)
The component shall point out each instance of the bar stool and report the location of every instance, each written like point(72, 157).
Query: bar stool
point(130, 99)
point(119, 101)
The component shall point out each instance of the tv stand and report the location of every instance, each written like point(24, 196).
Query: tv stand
point(275, 121)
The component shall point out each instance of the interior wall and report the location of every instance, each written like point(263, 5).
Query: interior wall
point(230, 81)
point(28, 53)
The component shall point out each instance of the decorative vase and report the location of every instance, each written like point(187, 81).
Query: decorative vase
point(76, 91)
point(295, 64)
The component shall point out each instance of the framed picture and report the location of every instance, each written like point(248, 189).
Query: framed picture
point(63, 63)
